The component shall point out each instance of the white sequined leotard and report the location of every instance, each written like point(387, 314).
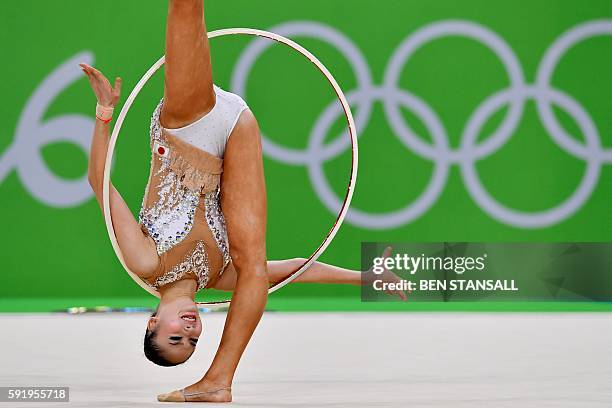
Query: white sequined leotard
point(180, 208)
point(211, 132)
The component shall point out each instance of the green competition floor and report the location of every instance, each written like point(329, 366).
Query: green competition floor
point(312, 304)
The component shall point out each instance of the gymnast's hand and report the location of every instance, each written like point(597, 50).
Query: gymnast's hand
point(107, 95)
point(386, 276)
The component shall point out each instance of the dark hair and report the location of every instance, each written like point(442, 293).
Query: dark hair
point(153, 353)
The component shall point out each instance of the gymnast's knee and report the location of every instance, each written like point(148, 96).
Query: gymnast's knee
point(252, 267)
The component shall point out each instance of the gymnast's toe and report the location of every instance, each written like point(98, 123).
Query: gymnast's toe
point(174, 396)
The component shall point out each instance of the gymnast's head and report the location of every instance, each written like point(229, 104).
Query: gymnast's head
point(172, 332)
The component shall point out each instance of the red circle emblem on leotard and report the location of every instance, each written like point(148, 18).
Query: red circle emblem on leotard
point(161, 150)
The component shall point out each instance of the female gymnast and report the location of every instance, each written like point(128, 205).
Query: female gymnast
point(205, 156)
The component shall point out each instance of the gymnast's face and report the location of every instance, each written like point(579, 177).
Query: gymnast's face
point(177, 326)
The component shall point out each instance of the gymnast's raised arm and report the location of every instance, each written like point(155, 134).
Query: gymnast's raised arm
point(139, 251)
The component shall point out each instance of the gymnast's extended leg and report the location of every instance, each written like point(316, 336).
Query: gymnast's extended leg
point(188, 83)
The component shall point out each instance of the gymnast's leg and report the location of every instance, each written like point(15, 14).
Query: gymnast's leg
point(188, 95)
point(243, 200)
point(188, 84)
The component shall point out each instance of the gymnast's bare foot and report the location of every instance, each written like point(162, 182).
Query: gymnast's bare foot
point(202, 391)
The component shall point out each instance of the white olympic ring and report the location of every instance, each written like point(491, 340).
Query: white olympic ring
point(440, 152)
point(32, 131)
point(352, 136)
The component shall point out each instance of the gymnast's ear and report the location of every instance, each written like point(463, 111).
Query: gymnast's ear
point(152, 322)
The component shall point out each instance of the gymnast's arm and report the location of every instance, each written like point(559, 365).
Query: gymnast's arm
point(318, 272)
point(138, 251)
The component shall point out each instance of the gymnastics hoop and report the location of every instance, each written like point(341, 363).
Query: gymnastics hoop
point(352, 180)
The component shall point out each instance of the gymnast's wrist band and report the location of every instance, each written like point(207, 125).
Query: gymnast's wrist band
point(104, 113)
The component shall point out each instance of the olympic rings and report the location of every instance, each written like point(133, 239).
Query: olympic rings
point(352, 135)
point(439, 152)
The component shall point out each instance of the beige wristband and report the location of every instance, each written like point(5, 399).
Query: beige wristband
point(104, 113)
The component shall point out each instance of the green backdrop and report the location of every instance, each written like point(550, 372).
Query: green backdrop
point(547, 178)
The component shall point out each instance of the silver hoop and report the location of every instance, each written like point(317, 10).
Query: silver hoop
point(352, 180)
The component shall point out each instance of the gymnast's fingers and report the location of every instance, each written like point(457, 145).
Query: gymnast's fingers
point(90, 78)
point(85, 69)
point(95, 71)
point(100, 77)
point(90, 71)
point(117, 90)
point(94, 74)
point(387, 252)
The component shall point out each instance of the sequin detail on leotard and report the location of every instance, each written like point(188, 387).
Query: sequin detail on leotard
point(170, 219)
point(196, 262)
point(176, 215)
point(216, 223)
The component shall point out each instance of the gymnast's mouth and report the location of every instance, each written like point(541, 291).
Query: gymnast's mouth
point(189, 316)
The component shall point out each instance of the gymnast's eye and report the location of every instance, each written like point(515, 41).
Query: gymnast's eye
point(175, 338)
point(194, 341)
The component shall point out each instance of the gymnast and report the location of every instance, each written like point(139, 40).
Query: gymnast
point(202, 222)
